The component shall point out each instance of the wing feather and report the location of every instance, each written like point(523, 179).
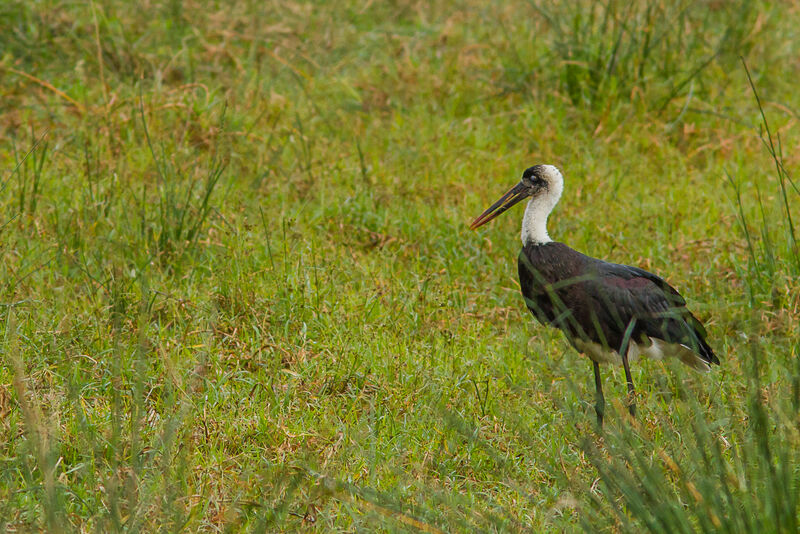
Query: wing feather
point(626, 295)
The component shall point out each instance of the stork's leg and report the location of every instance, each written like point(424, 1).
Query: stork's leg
point(631, 392)
point(600, 401)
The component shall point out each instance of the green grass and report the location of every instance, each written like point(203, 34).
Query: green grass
point(238, 291)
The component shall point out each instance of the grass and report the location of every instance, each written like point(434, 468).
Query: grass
point(239, 292)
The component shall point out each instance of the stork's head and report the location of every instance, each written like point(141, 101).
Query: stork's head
point(543, 183)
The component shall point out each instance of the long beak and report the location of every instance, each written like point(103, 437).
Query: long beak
point(514, 195)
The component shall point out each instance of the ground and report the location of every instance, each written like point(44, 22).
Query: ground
point(239, 292)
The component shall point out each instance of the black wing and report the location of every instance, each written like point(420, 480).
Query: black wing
point(633, 303)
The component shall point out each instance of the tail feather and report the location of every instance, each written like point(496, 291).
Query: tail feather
point(688, 333)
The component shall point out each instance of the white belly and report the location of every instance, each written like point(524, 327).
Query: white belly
point(657, 350)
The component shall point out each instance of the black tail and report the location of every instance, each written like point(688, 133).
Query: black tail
point(699, 334)
point(684, 328)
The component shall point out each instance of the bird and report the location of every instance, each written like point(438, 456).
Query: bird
point(610, 312)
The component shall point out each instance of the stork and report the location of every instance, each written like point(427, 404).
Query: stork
point(611, 313)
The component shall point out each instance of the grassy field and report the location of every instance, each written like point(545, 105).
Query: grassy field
point(239, 293)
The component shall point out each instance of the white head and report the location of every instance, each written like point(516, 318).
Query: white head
point(544, 185)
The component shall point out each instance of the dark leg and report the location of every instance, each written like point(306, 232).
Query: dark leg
point(631, 392)
point(600, 401)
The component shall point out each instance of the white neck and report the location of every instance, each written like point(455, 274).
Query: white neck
point(534, 223)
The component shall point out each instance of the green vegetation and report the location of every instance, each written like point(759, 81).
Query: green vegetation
point(238, 291)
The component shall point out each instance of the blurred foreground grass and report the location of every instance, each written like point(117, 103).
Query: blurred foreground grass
point(238, 290)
